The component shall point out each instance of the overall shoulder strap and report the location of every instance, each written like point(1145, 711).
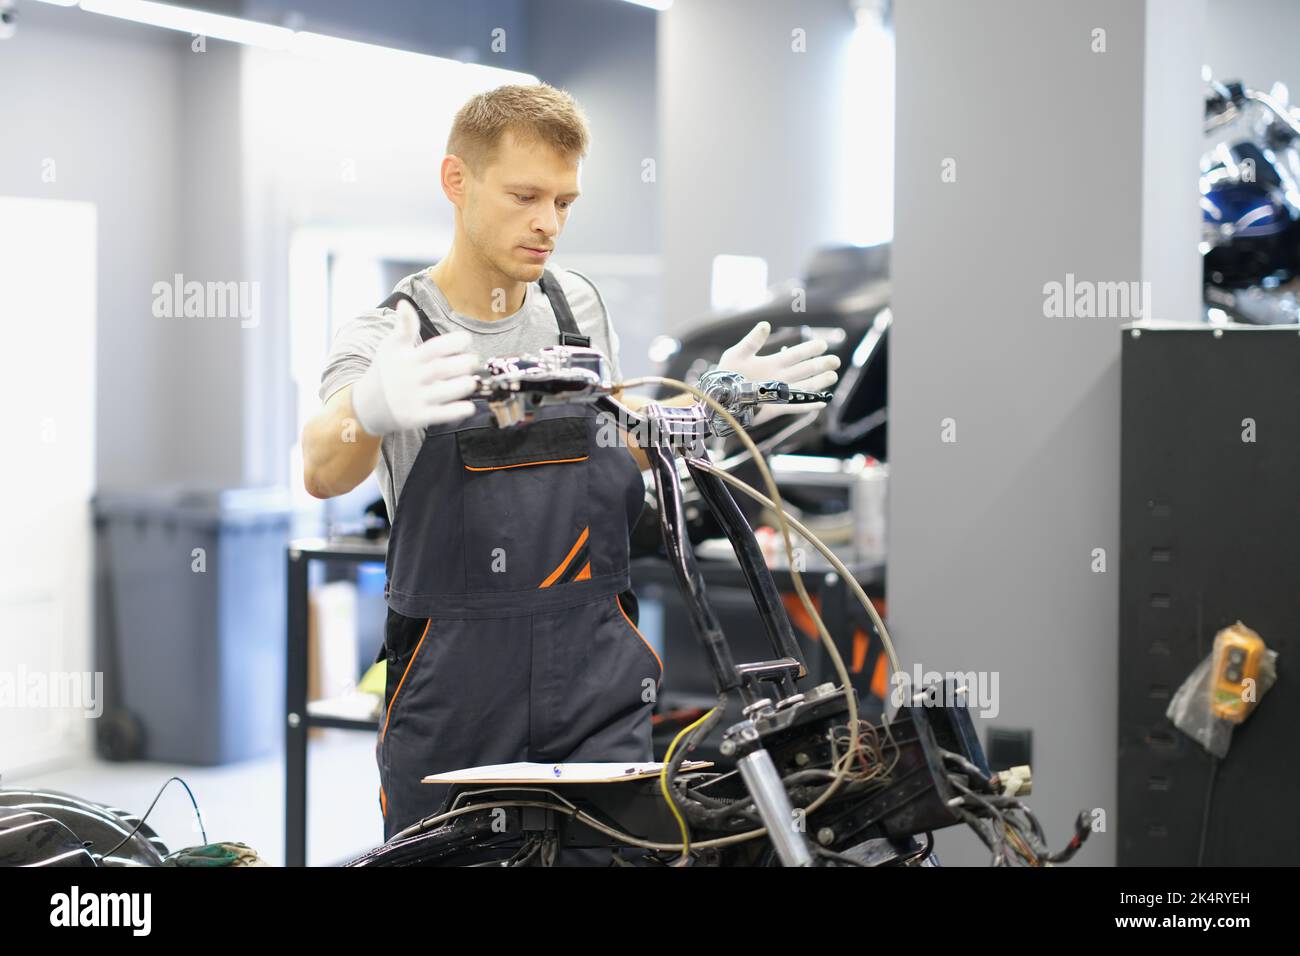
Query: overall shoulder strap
point(427, 331)
point(569, 334)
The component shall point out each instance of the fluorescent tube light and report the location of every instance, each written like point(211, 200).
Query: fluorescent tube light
point(188, 20)
point(270, 37)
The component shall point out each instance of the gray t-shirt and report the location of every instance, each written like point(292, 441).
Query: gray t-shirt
point(527, 330)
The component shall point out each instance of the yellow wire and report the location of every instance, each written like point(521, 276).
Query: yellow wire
point(663, 784)
point(783, 523)
point(1025, 852)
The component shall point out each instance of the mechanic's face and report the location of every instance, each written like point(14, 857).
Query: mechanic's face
point(514, 214)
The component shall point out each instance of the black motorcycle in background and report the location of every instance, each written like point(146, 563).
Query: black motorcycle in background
point(843, 297)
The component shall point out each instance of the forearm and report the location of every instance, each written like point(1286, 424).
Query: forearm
point(337, 453)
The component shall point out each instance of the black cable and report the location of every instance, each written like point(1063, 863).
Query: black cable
point(1081, 831)
point(1014, 805)
point(970, 770)
point(1032, 818)
point(139, 824)
point(929, 845)
point(1036, 838)
point(1205, 813)
point(1000, 851)
point(713, 803)
point(716, 807)
point(687, 745)
point(921, 854)
point(978, 825)
point(525, 852)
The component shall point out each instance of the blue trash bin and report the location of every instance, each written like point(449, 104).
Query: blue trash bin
point(196, 585)
point(372, 613)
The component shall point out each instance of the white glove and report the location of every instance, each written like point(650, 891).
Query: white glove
point(412, 384)
point(800, 366)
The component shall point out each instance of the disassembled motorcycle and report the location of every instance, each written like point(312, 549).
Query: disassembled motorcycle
point(813, 784)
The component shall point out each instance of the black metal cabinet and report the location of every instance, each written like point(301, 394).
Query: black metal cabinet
point(1210, 533)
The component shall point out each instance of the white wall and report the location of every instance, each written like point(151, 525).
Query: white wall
point(748, 130)
point(48, 391)
point(1254, 41)
point(101, 100)
point(1171, 152)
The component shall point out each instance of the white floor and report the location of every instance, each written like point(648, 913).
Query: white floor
point(243, 802)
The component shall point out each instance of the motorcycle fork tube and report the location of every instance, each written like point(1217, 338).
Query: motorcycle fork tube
point(757, 574)
point(773, 804)
point(689, 581)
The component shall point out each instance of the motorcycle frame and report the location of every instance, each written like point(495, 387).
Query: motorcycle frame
point(669, 433)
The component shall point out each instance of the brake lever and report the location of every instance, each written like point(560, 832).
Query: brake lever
point(741, 397)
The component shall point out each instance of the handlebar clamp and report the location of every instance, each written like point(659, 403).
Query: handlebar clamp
point(514, 386)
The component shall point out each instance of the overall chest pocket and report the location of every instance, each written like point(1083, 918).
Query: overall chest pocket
point(526, 501)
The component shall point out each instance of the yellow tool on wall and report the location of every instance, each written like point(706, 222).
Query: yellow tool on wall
point(1238, 654)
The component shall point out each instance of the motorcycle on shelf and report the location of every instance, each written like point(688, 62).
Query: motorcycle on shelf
point(1250, 206)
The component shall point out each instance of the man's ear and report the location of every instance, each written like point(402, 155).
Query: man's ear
point(453, 176)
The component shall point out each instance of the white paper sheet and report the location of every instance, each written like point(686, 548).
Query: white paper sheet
point(551, 773)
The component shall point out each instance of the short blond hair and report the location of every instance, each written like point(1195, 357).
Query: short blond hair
point(535, 113)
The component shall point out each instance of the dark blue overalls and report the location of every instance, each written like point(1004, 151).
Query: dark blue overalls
point(506, 639)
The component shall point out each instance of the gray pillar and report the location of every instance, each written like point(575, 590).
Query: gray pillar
point(1023, 139)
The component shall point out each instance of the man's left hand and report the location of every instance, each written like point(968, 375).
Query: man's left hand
point(801, 366)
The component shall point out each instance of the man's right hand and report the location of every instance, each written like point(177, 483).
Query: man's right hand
point(409, 384)
point(413, 384)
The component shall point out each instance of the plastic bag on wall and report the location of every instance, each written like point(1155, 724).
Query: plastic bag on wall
point(1224, 689)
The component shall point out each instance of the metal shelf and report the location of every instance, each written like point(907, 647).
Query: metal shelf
point(298, 716)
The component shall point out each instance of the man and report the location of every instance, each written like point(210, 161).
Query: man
point(506, 639)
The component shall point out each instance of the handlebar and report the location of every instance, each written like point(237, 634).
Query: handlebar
point(515, 386)
point(1225, 103)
